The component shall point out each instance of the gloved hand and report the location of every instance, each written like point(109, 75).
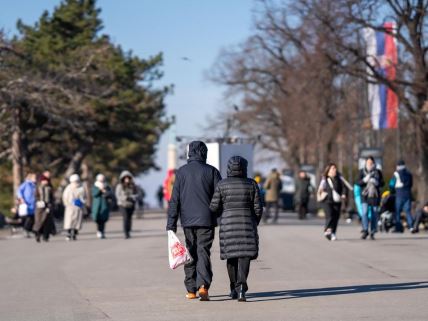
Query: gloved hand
point(174, 229)
point(367, 178)
point(373, 181)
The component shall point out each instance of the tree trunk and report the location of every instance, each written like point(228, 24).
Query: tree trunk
point(73, 168)
point(422, 171)
point(18, 171)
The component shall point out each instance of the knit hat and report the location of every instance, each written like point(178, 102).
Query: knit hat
point(74, 178)
point(100, 178)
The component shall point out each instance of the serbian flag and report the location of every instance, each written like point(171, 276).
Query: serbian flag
point(382, 55)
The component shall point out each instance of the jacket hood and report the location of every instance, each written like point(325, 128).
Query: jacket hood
point(124, 174)
point(198, 151)
point(237, 167)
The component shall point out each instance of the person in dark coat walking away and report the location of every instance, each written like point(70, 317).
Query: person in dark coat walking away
point(44, 222)
point(238, 203)
point(331, 192)
point(102, 196)
point(402, 183)
point(193, 190)
point(303, 192)
point(127, 196)
point(370, 180)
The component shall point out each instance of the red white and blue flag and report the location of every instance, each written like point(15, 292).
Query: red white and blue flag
point(382, 55)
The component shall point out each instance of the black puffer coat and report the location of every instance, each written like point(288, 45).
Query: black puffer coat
point(237, 201)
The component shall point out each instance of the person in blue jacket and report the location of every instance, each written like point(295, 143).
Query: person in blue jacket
point(26, 194)
point(402, 183)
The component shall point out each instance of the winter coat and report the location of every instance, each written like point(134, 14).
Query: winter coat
point(303, 186)
point(74, 199)
point(193, 190)
point(27, 192)
point(237, 201)
point(126, 195)
point(402, 183)
point(100, 204)
point(370, 183)
point(273, 187)
point(44, 215)
point(338, 186)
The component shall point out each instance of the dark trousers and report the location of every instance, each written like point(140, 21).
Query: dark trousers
point(101, 224)
point(332, 215)
point(238, 270)
point(198, 272)
point(28, 223)
point(420, 216)
point(127, 219)
point(269, 205)
point(303, 209)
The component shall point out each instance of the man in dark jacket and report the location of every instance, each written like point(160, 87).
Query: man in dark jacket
point(402, 183)
point(193, 190)
point(303, 192)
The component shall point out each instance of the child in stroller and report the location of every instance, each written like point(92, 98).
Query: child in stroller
point(387, 208)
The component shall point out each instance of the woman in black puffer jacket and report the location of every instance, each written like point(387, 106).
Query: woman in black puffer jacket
point(237, 201)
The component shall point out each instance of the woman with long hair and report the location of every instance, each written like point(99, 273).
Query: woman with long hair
point(331, 192)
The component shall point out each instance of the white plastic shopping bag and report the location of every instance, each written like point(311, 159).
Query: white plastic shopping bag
point(177, 252)
point(22, 209)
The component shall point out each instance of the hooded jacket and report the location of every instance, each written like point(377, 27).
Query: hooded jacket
point(402, 182)
point(126, 195)
point(237, 201)
point(193, 190)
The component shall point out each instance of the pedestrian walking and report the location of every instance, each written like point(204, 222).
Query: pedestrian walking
point(238, 203)
point(272, 187)
point(74, 199)
point(159, 195)
point(370, 180)
point(27, 201)
point(127, 196)
point(332, 190)
point(193, 190)
point(44, 224)
point(102, 197)
point(302, 194)
point(402, 183)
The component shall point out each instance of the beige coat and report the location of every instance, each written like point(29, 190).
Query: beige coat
point(272, 186)
point(73, 214)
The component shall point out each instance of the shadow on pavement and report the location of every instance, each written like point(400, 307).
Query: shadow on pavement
point(304, 293)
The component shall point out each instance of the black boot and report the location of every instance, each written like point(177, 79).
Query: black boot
point(233, 294)
point(241, 295)
point(364, 235)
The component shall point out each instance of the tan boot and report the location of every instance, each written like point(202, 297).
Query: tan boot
point(191, 295)
point(203, 294)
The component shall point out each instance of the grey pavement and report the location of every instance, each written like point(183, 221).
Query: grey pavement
point(298, 276)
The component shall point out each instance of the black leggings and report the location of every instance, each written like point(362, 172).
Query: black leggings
point(332, 215)
point(127, 219)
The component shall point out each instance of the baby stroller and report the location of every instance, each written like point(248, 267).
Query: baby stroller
point(387, 208)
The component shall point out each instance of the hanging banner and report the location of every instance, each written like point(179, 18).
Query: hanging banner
point(381, 50)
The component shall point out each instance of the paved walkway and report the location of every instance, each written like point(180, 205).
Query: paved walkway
point(299, 276)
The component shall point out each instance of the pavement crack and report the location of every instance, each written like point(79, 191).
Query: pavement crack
point(380, 271)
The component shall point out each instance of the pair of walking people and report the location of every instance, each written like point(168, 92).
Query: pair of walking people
point(199, 198)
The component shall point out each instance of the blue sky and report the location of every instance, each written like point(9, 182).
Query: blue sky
point(179, 28)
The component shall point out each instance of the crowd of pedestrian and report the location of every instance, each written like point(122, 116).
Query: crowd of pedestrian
point(36, 207)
